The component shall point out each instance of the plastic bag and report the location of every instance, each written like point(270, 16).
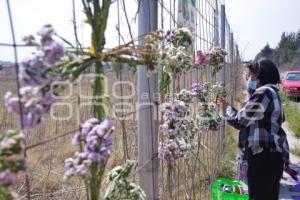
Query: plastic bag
point(226, 189)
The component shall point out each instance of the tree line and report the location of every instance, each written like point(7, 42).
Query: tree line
point(287, 52)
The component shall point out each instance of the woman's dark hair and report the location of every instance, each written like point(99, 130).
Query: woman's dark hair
point(266, 71)
point(253, 68)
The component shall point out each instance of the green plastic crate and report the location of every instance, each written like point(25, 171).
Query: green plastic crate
point(217, 194)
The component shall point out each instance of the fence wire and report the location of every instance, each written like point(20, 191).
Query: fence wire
point(50, 144)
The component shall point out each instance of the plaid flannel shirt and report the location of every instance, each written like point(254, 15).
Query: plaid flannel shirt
point(259, 122)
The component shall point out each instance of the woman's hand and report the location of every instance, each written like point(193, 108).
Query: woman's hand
point(223, 103)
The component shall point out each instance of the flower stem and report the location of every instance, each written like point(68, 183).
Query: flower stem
point(98, 93)
point(98, 21)
point(169, 179)
point(95, 183)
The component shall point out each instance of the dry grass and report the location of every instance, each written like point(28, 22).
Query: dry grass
point(191, 178)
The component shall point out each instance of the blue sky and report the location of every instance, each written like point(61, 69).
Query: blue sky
point(254, 22)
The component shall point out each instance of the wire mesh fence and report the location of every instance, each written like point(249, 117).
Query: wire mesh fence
point(48, 145)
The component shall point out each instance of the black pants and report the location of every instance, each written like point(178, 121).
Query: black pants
point(264, 173)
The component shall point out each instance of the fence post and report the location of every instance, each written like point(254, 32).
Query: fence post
point(231, 71)
point(216, 31)
point(147, 88)
point(237, 65)
point(222, 125)
point(216, 26)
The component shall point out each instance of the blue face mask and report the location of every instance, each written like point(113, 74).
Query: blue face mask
point(251, 86)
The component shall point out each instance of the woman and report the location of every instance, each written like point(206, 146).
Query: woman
point(262, 141)
point(242, 165)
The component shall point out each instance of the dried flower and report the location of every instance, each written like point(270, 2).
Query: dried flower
point(11, 143)
point(78, 165)
point(53, 52)
point(122, 185)
point(35, 97)
point(32, 71)
point(185, 96)
point(196, 88)
point(217, 56)
point(169, 36)
point(7, 178)
point(219, 90)
point(214, 58)
point(172, 149)
point(176, 60)
point(210, 119)
point(95, 136)
point(198, 91)
point(46, 32)
point(30, 40)
point(34, 103)
point(49, 52)
point(175, 130)
point(202, 58)
point(179, 37)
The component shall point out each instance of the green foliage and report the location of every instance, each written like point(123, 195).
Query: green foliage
point(292, 114)
point(164, 83)
point(11, 143)
point(5, 195)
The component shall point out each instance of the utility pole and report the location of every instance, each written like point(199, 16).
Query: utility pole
point(147, 89)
